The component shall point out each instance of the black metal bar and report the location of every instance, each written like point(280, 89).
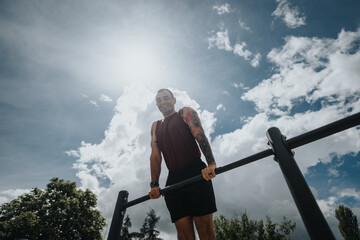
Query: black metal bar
point(118, 217)
point(325, 131)
point(244, 161)
point(322, 230)
point(197, 178)
point(314, 220)
point(316, 134)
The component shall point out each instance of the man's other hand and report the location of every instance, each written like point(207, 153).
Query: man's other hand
point(154, 192)
point(209, 172)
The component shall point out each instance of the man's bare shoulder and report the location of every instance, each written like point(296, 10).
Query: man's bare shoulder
point(185, 110)
point(153, 127)
point(190, 116)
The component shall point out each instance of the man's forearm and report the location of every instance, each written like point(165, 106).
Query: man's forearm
point(155, 170)
point(205, 148)
point(192, 119)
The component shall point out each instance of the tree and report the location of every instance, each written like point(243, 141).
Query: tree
point(348, 223)
point(61, 211)
point(125, 234)
point(148, 231)
point(234, 228)
point(226, 229)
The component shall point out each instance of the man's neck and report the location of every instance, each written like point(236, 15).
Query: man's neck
point(168, 115)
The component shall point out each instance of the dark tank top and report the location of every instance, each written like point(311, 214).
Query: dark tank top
point(176, 142)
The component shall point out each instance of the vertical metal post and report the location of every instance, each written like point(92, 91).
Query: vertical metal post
point(314, 220)
point(118, 217)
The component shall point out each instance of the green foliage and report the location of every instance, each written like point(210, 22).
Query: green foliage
point(348, 223)
point(229, 229)
point(125, 234)
point(226, 229)
point(148, 230)
point(60, 212)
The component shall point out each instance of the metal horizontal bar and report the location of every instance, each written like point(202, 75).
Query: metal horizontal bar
point(324, 131)
point(197, 178)
point(308, 137)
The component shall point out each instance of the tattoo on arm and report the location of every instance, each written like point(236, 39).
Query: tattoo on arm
point(193, 120)
point(200, 136)
point(205, 147)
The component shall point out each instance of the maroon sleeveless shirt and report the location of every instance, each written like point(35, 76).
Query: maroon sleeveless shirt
point(176, 142)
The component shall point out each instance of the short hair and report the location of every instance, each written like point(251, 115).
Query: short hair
point(165, 89)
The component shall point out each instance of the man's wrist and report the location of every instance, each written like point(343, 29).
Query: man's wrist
point(213, 163)
point(154, 184)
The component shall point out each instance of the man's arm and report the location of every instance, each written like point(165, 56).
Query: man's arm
point(192, 119)
point(155, 163)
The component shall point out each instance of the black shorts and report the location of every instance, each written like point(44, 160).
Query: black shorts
point(195, 199)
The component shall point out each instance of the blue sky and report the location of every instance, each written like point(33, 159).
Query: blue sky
point(78, 79)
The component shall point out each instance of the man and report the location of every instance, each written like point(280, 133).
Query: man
point(174, 137)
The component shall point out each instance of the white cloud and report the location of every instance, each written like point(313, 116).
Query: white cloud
point(220, 40)
point(240, 50)
point(310, 69)
point(346, 192)
point(255, 62)
point(298, 76)
point(328, 206)
point(244, 26)
point(72, 153)
point(333, 172)
point(220, 106)
point(92, 102)
point(10, 194)
point(262, 189)
point(122, 158)
point(225, 92)
point(105, 98)
point(291, 16)
point(222, 9)
point(251, 138)
point(241, 86)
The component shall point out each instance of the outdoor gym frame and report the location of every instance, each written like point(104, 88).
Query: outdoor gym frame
point(313, 219)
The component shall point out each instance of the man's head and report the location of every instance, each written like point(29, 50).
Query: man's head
point(165, 101)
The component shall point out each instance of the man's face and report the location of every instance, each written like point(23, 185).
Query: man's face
point(165, 102)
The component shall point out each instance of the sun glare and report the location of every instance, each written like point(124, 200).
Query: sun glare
point(139, 63)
